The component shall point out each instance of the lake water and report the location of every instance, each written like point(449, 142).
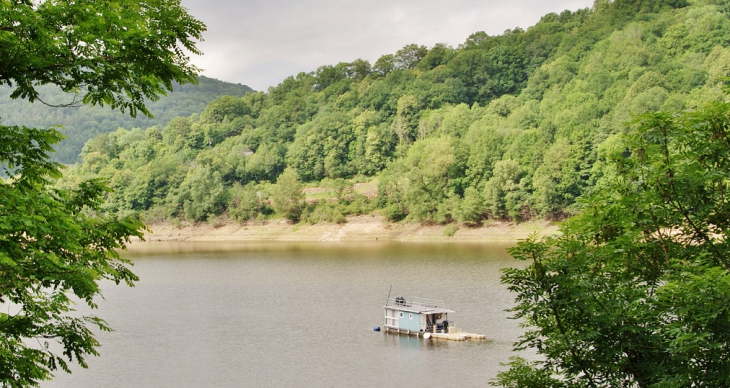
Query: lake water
point(293, 314)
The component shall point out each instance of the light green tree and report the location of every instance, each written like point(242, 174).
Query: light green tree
point(246, 202)
point(202, 193)
point(548, 198)
point(379, 143)
point(287, 195)
point(471, 208)
point(503, 189)
point(266, 163)
point(406, 120)
point(429, 162)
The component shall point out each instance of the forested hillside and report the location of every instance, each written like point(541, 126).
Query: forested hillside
point(84, 122)
point(508, 127)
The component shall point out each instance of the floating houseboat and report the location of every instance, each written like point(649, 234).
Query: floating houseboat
point(423, 318)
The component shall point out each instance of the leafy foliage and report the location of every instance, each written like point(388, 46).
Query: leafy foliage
point(80, 123)
point(56, 245)
point(53, 244)
point(119, 52)
point(633, 293)
point(287, 195)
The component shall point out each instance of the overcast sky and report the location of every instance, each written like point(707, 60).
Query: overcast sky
point(260, 42)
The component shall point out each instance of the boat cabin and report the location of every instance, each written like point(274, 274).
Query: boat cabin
point(417, 316)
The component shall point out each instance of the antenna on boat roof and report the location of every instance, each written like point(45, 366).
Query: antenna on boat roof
point(391, 289)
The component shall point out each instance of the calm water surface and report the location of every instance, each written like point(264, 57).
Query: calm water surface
point(283, 314)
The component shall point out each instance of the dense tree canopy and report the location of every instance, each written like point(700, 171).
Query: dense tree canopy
point(634, 293)
point(55, 244)
point(503, 127)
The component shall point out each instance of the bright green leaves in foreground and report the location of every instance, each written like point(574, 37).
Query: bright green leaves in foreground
point(53, 244)
point(57, 245)
point(23, 151)
point(634, 293)
point(121, 52)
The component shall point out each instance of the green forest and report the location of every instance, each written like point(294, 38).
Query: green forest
point(510, 127)
point(613, 119)
point(79, 123)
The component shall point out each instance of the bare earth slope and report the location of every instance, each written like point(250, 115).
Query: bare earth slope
point(361, 228)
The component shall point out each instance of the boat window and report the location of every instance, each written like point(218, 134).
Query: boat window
point(410, 316)
point(401, 314)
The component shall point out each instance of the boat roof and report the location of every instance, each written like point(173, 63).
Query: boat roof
point(417, 305)
point(420, 309)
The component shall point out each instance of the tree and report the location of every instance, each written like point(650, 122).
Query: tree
point(321, 147)
point(287, 195)
point(266, 163)
point(431, 164)
point(503, 189)
point(384, 65)
point(438, 55)
point(222, 107)
point(471, 208)
point(118, 52)
point(406, 120)
point(57, 244)
point(634, 293)
point(548, 197)
point(409, 56)
point(202, 193)
point(245, 202)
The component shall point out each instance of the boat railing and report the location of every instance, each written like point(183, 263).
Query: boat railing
point(442, 327)
point(415, 301)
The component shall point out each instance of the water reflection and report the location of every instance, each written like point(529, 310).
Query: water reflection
point(495, 249)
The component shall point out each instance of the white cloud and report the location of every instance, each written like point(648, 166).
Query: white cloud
point(259, 43)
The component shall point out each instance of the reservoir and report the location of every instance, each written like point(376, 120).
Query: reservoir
point(298, 314)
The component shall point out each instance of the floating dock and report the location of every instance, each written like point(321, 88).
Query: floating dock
point(452, 335)
point(458, 336)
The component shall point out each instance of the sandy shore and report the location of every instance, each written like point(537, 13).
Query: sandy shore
point(361, 228)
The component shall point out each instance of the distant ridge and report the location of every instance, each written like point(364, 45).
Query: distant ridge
point(85, 122)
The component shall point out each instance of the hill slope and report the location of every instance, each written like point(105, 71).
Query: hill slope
point(85, 122)
point(506, 127)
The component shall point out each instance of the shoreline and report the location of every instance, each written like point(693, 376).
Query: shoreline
point(357, 229)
